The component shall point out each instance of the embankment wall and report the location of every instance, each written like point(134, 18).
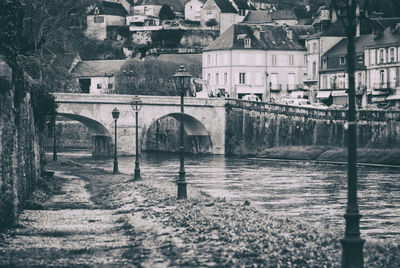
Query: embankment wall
point(252, 127)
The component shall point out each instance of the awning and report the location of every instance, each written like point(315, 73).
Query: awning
point(378, 99)
point(393, 97)
point(339, 93)
point(323, 94)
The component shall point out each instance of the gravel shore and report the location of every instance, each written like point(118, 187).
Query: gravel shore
point(156, 230)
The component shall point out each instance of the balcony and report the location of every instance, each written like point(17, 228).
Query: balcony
point(384, 86)
point(275, 87)
point(293, 87)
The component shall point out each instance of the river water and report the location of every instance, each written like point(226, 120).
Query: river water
point(313, 192)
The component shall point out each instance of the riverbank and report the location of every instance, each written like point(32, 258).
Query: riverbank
point(332, 154)
point(206, 231)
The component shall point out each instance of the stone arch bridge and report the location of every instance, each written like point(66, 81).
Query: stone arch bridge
point(202, 117)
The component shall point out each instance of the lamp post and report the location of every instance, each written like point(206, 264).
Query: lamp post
point(136, 104)
point(54, 138)
point(352, 254)
point(115, 115)
point(182, 83)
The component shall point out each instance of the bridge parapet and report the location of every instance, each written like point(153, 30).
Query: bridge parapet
point(146, 99)
point(370, 115)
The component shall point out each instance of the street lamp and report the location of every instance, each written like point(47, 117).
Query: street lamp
point(136, 104)
point(115, 115)
point(54, 138)
point(182, 83)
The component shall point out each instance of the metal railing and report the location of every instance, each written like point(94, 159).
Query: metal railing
point(275, 87)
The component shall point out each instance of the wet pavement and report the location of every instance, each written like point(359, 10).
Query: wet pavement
point(69, 230)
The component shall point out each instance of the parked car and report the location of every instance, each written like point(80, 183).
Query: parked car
point(320, 106)
point(296, 102)
point(251, 97)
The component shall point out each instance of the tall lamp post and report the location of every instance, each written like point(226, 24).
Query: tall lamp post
point(54, 138)
point(115, 115)
point(182, 83)
point(352, 254)
point(136, 104)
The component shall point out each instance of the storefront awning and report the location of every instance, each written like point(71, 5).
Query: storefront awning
point(339, 93)
point(378, 99)
point(393, 97)
point(323, 94)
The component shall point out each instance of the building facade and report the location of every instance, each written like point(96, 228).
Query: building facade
point(103, 15)
point(248, 59)
point(382, 61)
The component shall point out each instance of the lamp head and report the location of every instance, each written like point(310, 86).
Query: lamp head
point(136, 104)
point(115, 113)
point(182, 80)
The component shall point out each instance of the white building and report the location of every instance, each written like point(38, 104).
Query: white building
point(193, 10)
point(100, 16)
point(382, 60)
point(317, 45)
point(268, 61)
point(97, 76)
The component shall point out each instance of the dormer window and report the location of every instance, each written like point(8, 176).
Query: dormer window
point(342, 60)
point(247, 43)
point(96, 11)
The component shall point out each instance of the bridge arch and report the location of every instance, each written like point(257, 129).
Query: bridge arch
point(163, 134)
point(101, 137)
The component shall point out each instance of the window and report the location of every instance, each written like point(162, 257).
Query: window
point(341, 60)
point(314, 70)
point(258, 79)
point(314, 48)
point(99, 86)
point(208, 78)
point(381, 56)
point(324, 82)
point(217, 78)
point(324, 63)
point(273, 59)
point(247, 43)
point(382, 76)
point(360, 59)
point(96, 11)
point(291, 60)
point(360, 82)
point(225, 78)
point(98, 19)
point(392, 54)
point(216, 59)
point(242, 78)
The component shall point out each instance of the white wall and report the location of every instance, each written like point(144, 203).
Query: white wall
point(255, 63)
point(99, 85)
point(193, 10)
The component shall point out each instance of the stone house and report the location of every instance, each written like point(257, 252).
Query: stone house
point(265, 60)
point(193, 10)
point(219, 13)
point(96, 76)
point(103, 15)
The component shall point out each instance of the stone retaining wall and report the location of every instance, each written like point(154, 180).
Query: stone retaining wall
point(19, 153)
point(252, 127)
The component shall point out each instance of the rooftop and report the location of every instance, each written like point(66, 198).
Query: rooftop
point(109, 8)
point(97, 68)
point(271, 37)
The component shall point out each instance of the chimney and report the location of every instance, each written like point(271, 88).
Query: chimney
point(257, 33)
point(289, 32)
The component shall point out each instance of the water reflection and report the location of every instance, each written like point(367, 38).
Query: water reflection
point(313, 192)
